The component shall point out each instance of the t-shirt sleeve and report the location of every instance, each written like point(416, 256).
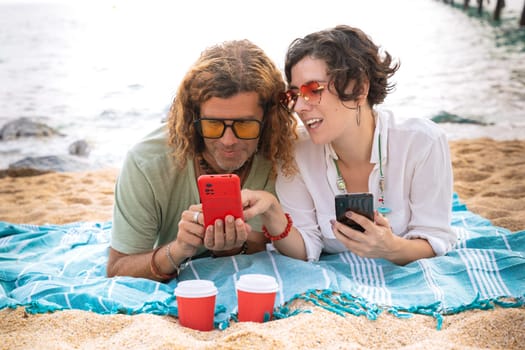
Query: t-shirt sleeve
point(135, 212)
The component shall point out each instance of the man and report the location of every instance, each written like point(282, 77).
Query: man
point(225, 118)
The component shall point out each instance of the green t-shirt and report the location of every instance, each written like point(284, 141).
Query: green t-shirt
point(151, 193)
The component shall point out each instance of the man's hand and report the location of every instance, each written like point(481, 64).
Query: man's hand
point(226, 235)
point(191, 232)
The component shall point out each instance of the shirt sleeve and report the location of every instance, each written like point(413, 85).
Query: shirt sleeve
point(297, 201)
point(431, 198)
point(135, 223)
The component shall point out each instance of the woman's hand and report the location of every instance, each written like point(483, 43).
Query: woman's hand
point(377, 241)
point(259, 203)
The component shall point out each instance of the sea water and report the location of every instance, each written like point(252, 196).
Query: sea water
point(107, 71)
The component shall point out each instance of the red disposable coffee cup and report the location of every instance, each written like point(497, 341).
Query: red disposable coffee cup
point(256, 297)
point(196, 303)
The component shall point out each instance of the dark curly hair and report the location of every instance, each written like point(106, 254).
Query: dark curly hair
point(350, 55)
point(223, 71)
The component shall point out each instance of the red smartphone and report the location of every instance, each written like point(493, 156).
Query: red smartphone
point(360, 203)
point(220, 196)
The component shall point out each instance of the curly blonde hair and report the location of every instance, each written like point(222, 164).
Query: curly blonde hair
point(223, 71)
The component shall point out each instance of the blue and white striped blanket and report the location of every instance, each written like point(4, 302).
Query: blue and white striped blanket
point(54, 267)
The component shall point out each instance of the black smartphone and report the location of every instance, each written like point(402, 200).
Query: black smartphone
point(360, 203)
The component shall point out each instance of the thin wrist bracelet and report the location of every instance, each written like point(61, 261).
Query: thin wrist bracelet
point(155, 269)
point(284, 234)
point(178, 267)
point(243, 250)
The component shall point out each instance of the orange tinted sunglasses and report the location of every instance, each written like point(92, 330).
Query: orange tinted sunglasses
point(311, 92)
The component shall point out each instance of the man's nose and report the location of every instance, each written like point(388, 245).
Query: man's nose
point(229, 137)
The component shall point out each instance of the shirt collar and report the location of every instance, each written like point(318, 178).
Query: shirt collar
point(383, 119)
point(329, 151)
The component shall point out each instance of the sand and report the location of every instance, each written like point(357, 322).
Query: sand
point(488, 176)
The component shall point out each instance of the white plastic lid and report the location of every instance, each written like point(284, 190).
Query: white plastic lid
point(195, 289)
point(257, 283)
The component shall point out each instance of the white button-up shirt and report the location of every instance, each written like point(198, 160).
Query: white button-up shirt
point(418, 185)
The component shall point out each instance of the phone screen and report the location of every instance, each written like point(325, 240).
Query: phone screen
point(220, 195)
point(361, 203)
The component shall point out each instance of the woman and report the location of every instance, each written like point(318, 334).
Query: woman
point(337, 77)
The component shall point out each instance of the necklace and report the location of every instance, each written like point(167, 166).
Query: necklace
point(382, 209)
point(341, 185)
point(208, 169)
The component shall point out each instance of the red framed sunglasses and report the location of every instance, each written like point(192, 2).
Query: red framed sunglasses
point(310, 92)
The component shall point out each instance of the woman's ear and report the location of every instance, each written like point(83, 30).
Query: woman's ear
point(362, 98)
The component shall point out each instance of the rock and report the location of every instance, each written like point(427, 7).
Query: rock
point(24, 127)
point(79, 148)
point(31, 166)
point(446, 117)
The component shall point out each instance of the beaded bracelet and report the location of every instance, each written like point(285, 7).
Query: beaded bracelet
point(284, 234)
point(155, 269)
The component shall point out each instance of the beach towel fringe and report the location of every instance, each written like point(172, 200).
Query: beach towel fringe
point(340, 303)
